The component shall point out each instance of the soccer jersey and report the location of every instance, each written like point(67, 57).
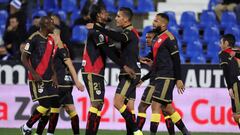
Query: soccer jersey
point(230, 66)
point(94, 60)
point(63, 73)
point(130, 49)
point(40, 50)
point(129, 40)
point(164, 47)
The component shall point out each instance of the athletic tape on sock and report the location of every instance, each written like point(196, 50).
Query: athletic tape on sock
point(155, 117)
point(175, 117)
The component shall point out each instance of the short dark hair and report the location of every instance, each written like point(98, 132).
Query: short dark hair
point(36, 17)
point(96, 9)
point(164, 16)
point(230, 38)
point(127, 12)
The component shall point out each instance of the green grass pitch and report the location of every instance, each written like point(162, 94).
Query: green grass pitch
point(11, 131)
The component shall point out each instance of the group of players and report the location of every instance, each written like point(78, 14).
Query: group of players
point(52, 74)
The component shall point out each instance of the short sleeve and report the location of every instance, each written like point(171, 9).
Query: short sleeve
point(223, 58)
point(63, 53)
point(30, 45)
point(172, 46)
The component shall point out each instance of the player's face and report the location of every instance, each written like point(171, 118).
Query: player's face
point(149, 37)
point(120, 19)
point(223, 44)
point(104, 16)
point(49, 25)
point(158, 22)
point(13, 22)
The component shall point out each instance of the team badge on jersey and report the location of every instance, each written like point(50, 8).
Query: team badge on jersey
point(27, 46)
point(101, 38)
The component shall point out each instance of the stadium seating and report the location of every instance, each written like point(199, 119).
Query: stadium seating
point(39, 13)
point(211, 34)
point(3, 17)
point(145, 6)
point(188, 19)
point(62, 15)
point(215, 59)
point(79, 33)
point(75, 15)
point(2, 28)
point(69, 5)
point(82, 4)
point(194, 48)
point(190, 34)
point(175, 31)
point(233, 29)
point(110, 5)
point(212, 4)
point(207, 18)
point(183, 60)
point(212, 50)
point(126, 3)
point(4, 1)
point(172, 18)
point(198, 59)
point(50, 5)
point(228, 19)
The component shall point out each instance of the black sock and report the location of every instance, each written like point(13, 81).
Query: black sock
point(154, 127)
point(127, 115)
point(53, 119)
point(176, 118)
point(91, 124)
point(141, 118)
point(75, 124)
point(155, 119)
point(98, 119)
point(180, 125)
point(42, 124)
point(34, 118)
point(170, 126)
point(128, 127)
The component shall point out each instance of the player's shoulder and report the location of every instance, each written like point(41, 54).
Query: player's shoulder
point(170, 35)
point(223, 54)
point(36, 35)
point(94, 33)
point(128, 29)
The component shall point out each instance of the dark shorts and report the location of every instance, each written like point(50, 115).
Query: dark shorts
point(236, 101)
point(164, 90)
point(95, 87)
point(42, 90)
point(127, 86)
point(147, 94)
point(65, 95)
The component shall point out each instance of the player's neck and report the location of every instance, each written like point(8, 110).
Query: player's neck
point(43, 32)
point(126, 25)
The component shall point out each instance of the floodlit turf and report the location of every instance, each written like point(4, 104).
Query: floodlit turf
point(10, 131)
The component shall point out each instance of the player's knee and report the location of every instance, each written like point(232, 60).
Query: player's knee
point(118, 101)
point(156, 107)
point(69, 108)
point(142, 107)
